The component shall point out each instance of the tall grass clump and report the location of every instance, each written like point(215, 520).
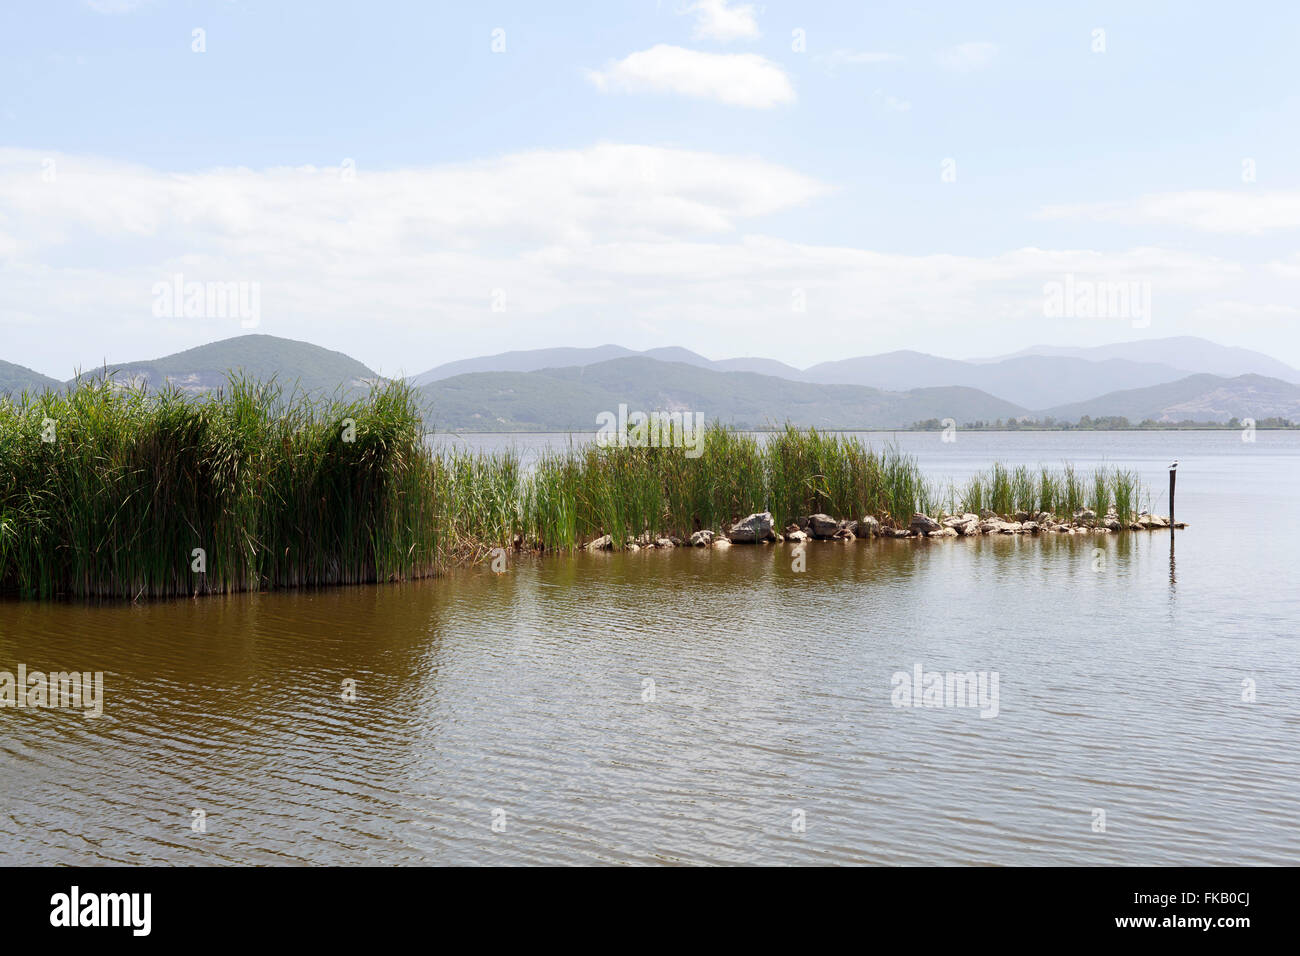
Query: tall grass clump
point(549, 509)
point(1100, 498)
point(478, 497)
point(1002, 498)
point(1049, 491)
point(1125, 486)
point(1058, 493)
point(975, 495)
point(725, 481)
point(811, 472)
point(114, 492)
point(1072, 491)
point(1024, 489)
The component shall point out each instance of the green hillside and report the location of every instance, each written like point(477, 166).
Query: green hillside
point(570, 398)
point(17, 378)
point(1200, 398)
point(262, 357)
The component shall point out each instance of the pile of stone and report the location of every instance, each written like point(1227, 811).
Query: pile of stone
point(759, 528)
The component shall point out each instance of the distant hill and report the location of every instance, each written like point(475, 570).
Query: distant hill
point(1197, 398)
point(15, 379)
point(1185, 352)
point(1033, 379)
point(531, 360)
point(524, 360)
point(1039, 380)
point(262, 357)
point(564, 399)
point(889, 370)
point(763, 366)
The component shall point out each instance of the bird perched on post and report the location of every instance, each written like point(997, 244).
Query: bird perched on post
point(1174, 465)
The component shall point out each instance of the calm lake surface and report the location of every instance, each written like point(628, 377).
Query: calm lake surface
point(1120, 689)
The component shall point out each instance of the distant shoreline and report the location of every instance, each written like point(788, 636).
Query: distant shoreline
point(909, 430)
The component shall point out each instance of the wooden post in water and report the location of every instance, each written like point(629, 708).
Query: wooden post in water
point(1173, 475)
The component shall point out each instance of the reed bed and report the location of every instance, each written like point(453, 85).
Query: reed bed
point(291, 491)
point(111, 492)
point(1060, 494)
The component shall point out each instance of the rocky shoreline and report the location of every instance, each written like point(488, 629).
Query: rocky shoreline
point(759, 528)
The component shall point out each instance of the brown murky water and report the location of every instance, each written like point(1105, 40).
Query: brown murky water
point(522, 699)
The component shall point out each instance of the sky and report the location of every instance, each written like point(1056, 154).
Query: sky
point(413, 183)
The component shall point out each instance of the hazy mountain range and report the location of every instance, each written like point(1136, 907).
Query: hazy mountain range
point(558, 399)
point(561, 389)
point(1038, 378)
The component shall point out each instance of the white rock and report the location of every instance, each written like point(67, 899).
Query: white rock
point(756, 527)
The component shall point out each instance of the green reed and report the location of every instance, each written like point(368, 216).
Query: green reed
point(1100, 498)
point(1059, 493)
point(1024, 490)
point(1125, 488)
point(1071, 497)
point(1049, 491)
point(107, 491)
point(975, 495)
point(1001, 497)
point(292, 491)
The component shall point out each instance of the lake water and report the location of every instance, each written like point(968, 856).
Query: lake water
point(769, 734)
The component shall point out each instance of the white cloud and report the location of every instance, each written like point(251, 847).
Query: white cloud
point(856, 58)
point(607, 243)
point(618, 191)
point(736, 79)
point(716, 20)
point(1247, 212)
point(965, 57)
